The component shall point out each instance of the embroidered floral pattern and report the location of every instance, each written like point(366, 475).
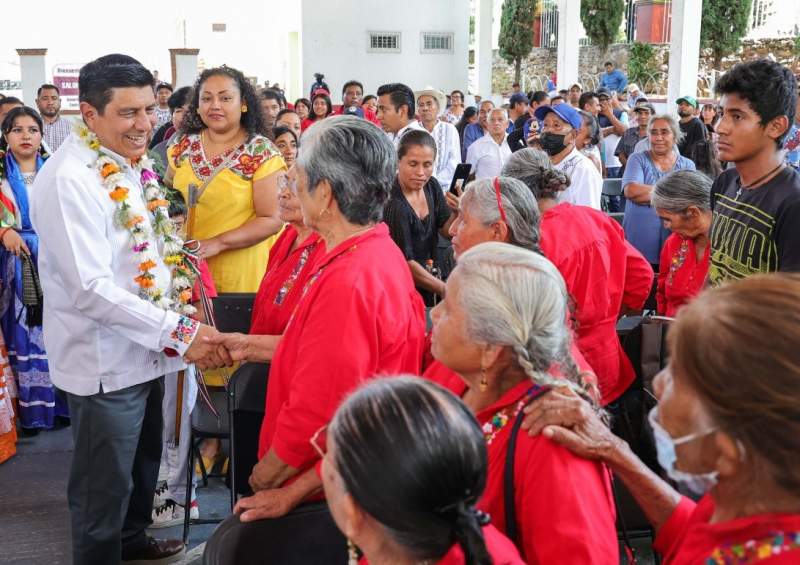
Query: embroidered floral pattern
point(243, 160)
point(499, 421)
point(678, 260)
point(753, 551)
point(185, 330)
point(290, 281)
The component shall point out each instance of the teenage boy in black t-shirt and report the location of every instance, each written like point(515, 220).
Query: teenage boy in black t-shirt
point(756, 222)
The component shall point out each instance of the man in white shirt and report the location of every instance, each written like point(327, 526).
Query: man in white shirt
point(445, 134)
point(560, 128)
point(108, 341)
point(396, 110)
point(488, 155)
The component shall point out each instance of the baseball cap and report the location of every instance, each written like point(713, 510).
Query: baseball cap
point(633, 87)
point(644, 105)
point(563, 111)
point(579, 85)
point(517, 98)
point(603, 91)
point(690, 100)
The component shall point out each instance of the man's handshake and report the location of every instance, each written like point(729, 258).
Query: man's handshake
point(212, 349)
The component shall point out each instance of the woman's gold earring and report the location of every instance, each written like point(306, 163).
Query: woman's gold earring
point(484, 384)
point(244, 109)
point(352, 553)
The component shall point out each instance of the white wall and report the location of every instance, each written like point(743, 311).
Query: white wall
point(334, 42)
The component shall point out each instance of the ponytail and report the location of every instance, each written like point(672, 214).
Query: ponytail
point(468, 529)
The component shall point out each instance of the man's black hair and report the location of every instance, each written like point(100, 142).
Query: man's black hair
point(166, 85)
point(586, 97)
point(179, 98)
point(556, 97)
point(10, 100)
point(769, 88)
point(350, 83)
point(539, 96)
point(272, 94)
point(607, 63)
point(400, 95)
point(97, 79)
point(47, 87)
point(177, 204)
point(284, 112)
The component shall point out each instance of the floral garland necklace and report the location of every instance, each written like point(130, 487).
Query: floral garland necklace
point(143, 240)
point(503, 416)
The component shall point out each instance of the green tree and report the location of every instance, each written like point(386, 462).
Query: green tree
point(601, 20)
point(723, 25)
point(642, 64)
point(516, 32)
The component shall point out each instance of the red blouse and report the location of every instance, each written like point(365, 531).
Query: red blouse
point(603, 273)
point(564, 504)
point(688, 537)
point(359, 316)
point(287, 273)
point(500, 548)
point(680, 275)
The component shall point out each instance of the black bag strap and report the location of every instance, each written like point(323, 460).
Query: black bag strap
point(512, 529)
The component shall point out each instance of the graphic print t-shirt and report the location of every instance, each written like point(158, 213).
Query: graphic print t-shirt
point(756, 232)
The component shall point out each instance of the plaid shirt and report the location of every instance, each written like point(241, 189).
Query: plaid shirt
point(56, 133)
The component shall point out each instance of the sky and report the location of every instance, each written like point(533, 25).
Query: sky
point(77, 32)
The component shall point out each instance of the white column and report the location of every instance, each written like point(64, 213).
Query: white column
point(569, 26)
point(184, 66)
point(483, 47)
point(32, 73)
point(684, 50)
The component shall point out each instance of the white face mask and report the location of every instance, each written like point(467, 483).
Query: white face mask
point(697, 483)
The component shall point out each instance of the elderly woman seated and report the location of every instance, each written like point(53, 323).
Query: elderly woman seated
point(502, 330)
point(682, 200)
point(727, 426)
point(403, 489)
point(353, 321)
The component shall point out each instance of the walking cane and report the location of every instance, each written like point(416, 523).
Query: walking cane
point(191, 205)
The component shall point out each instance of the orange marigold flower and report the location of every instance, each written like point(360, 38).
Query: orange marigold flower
point(119, 194)
point(108, 170)
point(135, 221)
point(186, 296)
point(145, 281)
point(153, 204)
point(147, 265)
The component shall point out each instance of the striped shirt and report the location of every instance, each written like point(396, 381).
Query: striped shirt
point(54, 134)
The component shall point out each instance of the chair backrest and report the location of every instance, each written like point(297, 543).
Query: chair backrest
point(233, 311)
point(617, 216)
point(247, 397)
point(612, 187)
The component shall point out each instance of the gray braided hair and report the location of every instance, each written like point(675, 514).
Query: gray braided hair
point(514, 297)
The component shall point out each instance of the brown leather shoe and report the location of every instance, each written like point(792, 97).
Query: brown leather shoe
point(156, 552)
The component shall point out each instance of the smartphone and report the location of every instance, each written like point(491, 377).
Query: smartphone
point(460, 177)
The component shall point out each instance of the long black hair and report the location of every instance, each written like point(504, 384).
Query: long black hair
point(462, 124)
point(414, 458)
point(8, 123)
point(327, 99)
point(252, 120)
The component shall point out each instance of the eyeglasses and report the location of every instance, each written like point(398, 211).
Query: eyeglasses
point(499, 199)
point(285, 183)
point(320, 443)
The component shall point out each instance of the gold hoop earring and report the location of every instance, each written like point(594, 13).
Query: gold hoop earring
point(244, 109)
point(484, 384)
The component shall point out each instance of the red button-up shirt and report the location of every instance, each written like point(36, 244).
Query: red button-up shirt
point(564, 504)
point(287, 273)
point(359, 317)
point(603, 273)
point(688, 537)
point(680, 275)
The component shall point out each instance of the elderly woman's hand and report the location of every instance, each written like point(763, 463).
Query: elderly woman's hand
point(564, 417)
point(272, 503)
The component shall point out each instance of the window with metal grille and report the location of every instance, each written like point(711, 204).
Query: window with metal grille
point(436, 42)
point(384, 42)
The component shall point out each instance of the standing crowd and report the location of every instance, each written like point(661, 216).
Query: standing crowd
point(437, 291)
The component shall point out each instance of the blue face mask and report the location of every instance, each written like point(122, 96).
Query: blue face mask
point(696, 483)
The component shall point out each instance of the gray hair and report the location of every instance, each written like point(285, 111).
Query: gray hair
point(503, 110)
point(679, 190)
point(673, 125)
point(358, 161)
point(522, 213)
point(517, 298)
point(533, 167)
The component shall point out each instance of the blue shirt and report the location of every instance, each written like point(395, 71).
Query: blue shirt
point(472, 133)
point(615, 80)
point(643, 228)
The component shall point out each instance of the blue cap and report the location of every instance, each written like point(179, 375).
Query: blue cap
point(517, 98)
point(563, 111)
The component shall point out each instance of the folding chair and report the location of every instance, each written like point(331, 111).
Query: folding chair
point(611, 187)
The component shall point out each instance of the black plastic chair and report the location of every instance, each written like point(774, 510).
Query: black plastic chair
point(246, 402)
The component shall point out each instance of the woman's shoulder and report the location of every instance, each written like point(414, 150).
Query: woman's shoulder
point(684, 163)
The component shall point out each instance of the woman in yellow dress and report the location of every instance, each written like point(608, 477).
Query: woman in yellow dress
point(221, 150)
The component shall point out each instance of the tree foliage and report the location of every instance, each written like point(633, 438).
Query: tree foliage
point(723, 25)
point(516, 32)
point(601, 20)
point(642, 64)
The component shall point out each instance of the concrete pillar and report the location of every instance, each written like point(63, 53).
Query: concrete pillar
point(569, 26)
point(184, 66)
point(483, 47)
point(32, 73)
point(684, 50)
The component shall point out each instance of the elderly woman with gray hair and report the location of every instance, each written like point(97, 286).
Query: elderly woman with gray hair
point(359, 316)
point(682, 201)
point(642, 226)
point(502, 331)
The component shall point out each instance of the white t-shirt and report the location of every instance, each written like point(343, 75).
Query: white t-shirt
point(610, 142)
point(586, 184)
point(487, 157)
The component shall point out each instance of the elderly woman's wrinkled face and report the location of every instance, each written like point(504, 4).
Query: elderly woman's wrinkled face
point(691, 223)
point(681, 413)
point(450, 343)
point(288, 202)
point(468, 231)
point(661, 136)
